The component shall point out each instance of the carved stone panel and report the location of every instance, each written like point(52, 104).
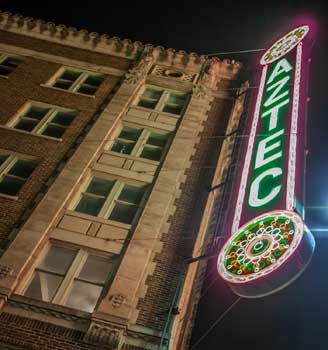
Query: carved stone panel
point(5, 271)
point(105, 334)
point(173, 73)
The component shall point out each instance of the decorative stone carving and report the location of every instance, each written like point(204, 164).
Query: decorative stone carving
point(117, 300)
point(5, 271)
point(140, 71)
point(200, 92)
point(173, 73)
point(104, 334)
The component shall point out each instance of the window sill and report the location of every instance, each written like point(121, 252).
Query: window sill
point(60, 313)
point(71, 92)
point(172, 115)
point(31, 134)
point(7, 196)
point(98, 219)
point(137, 159)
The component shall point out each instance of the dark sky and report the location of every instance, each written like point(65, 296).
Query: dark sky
point(295, 318)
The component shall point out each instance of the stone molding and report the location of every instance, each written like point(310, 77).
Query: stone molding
point(140, 71)
point(105, 334)
point(48, 311)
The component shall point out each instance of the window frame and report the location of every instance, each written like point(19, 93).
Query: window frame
point(7, 165)
point(77, 83)
point(161, 103)
point(44, 122)
point(62, 293)
point(4, 56)
point(111, 199)
point(141, 141)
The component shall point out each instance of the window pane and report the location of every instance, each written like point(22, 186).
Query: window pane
point(96, 269)
point(100, 187)
point(63, 118)
point(175, 109)
point(58, 260)
point(4, 70)
point(94, 80)
point(157, 139)
point(129, 134)
point(122, 147)
point(70, 75)
point(36, 112)
point(177, 99)
point(43, 286)
point(26, 124)
point(131, 194)
point(3, 158)
point(90, 205)
point(152, 153)
point(84, 296)
point(11, 62)
point(63, 84)
point(147, 104)
point(11, 186)
point(87, 89)
point(123, 213)
point(23, 168)
point(53, 131)
point(152, 94)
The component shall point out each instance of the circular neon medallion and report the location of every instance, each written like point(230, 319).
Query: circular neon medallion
point(260, 246)
point(284, 45)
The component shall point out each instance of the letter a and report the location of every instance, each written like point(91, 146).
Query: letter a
point(282, 66)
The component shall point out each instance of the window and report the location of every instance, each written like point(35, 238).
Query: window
point(8, 64)
point(163, 100)
point(110, 199)
point(142, 143)
point(78, 81)
point(71, 277)
point(45, 120)
point(14, 172)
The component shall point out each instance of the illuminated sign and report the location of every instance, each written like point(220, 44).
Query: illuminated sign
point(270, 245)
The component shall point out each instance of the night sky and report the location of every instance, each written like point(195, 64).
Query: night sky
point(295, 318)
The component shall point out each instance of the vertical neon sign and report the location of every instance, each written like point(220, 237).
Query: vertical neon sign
point(270, 245)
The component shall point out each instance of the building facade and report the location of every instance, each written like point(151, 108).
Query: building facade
point(110, 156)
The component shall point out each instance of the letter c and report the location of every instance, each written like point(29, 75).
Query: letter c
point(254, 200)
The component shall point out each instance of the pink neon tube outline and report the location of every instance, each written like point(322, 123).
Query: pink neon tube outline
point(249, 153)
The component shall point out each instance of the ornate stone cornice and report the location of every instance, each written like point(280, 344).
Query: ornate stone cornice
point(114, 46)
point(69, 35)
point(83, 39)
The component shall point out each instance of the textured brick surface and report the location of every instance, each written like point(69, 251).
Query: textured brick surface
point(22, 85)
point(37, 335)
point(184, 223)
point(62, 50)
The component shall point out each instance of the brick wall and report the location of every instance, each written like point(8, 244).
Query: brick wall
point(185, 222)
point(23, 84)
point(64, 51)
point(37, 335)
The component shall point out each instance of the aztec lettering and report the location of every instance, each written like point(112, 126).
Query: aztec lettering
point(269, 145)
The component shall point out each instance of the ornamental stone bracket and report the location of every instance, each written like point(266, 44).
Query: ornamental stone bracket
point(140, 71)
point(214, 71)
point(108, 335)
